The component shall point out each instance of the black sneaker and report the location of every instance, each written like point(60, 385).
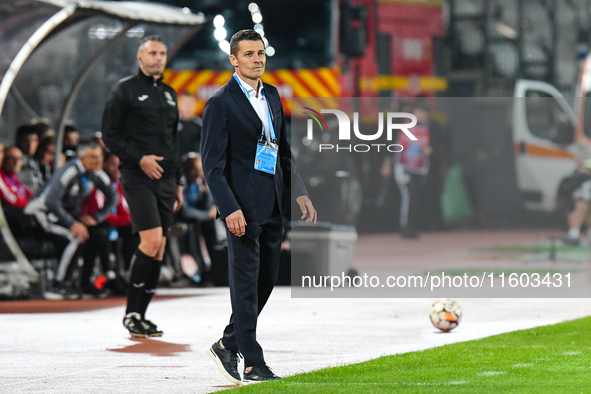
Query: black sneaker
point(93, 293)
point(152, 329)
point(61, 292)
point(133, 322)
point(227, 362)
point(259, 373)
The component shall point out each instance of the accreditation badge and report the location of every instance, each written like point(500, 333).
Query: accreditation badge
point(266, 157)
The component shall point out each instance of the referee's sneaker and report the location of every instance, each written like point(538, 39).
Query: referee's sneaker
point(140, 328)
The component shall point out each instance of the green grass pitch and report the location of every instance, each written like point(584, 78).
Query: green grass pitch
point(548, 359)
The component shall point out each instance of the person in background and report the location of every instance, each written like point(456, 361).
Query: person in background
point(116, 229)
point(120, 218)
point(440, 161)
point(580, 185)
point(57, 208)
point(70, 143)
point(14, 196)
point(27, 140)
point(45, 157)
point(410, 168)
point(198, 211)
point(13, 193)
point(189, 130)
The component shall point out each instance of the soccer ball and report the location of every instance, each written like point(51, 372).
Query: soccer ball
point(445, 314)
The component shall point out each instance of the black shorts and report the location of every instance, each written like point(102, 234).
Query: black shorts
point(150, 202)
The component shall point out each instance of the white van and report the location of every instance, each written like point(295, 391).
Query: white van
point(551, 138)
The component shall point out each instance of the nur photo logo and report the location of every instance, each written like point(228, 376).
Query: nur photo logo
point(402, 121)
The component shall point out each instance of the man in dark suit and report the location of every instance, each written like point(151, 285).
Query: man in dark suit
point(250, 172)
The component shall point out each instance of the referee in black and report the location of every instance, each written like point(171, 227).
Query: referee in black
point(139, 126)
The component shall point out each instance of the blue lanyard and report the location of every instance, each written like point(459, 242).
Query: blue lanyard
point(84, 183)
point(115, 186)
point(271, 127)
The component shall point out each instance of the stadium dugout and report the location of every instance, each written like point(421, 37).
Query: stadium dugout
point(58, 60)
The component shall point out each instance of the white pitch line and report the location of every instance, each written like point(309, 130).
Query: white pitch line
point(573, 353)
point(523, 365)
point(491, 373)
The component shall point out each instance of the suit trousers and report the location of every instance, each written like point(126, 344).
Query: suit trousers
point(253, 262)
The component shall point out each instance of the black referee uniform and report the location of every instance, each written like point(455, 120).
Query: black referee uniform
point(141, 118)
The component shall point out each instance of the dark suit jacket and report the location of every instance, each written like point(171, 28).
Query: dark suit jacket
point(231, 130)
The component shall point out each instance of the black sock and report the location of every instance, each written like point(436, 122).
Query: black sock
point(150, 287)
point(141, 267)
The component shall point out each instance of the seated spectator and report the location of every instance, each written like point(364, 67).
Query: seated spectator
point(115, 229)
point(580, 185)
point(13, 192)
point(189, 128)
point(45, 157)
point(57, 208)
point(199, 212)
point(14, 197)
point(120, 218)
point(27, 141)
point(70, 142)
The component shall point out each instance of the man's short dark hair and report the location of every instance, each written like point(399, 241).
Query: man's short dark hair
point(244, 35)
point(23, 131)
point(149, 38)
point(188, 160)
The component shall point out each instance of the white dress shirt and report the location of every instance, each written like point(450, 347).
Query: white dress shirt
point(259, 103)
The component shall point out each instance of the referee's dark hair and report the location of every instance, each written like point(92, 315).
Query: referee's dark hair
point(149, 38)
point(244, 35)
point(84, 145)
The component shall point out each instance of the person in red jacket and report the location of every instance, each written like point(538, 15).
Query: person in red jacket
point(14, 195)
point(13, 192)
point(120, 217)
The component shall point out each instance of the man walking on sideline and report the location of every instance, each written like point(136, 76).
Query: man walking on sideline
point(139, 126)
point(249, 169)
